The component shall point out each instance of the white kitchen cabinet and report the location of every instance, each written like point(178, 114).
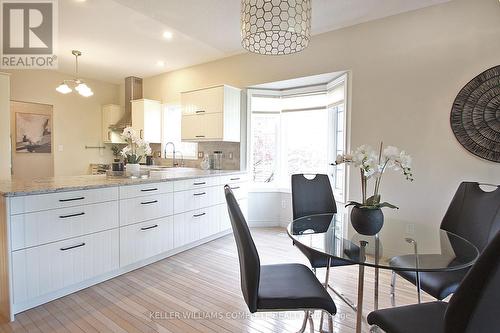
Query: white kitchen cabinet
point(111, 114)
point(140, 209)
point(47, 226)
point(64, 241)
point(43, 269)
point(145, 240)
point(147, 119)
point(211, 114)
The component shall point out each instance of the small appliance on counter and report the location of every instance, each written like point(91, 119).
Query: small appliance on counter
point(217, 160)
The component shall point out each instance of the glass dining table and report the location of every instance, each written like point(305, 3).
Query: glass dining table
point(396, 247)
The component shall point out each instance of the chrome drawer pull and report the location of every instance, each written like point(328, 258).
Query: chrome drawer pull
point(149, 189)
point(198, 215)
point(149, 202)
point(151, 227)
point(200, 183)
point(234, 188)
point(200, 111)
point(202, 193)
point(71, 247)
point(235, 178)
point(72, 199)
point(71, 215)
point(200, 136)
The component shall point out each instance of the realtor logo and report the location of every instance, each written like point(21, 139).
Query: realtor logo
point(29, 32)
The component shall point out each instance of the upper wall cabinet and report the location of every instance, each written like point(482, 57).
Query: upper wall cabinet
point(146, 119)
point(211, 114)
point(111, 114)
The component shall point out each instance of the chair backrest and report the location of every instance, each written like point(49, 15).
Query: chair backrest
point(312, 196)
point(474, 306)
point(247, 252)
point(474, 214)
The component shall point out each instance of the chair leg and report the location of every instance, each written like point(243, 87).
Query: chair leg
point(393, 288)
point(339, 294)
point(311, 323)
point(304, 323)
point(330, 323)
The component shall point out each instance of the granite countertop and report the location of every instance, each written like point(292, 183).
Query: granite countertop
point(11, 188)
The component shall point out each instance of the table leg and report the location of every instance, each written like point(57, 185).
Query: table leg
point(327, 277)
point(377, 253)
point(361, 280)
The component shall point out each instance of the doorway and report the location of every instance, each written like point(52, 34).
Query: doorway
point(32, 140)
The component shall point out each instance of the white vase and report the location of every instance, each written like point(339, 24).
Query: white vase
point(134, 169)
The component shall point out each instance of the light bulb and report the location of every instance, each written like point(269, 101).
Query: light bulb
point(81, 87)
point(64, 88)
point(168, 35)
point(86, 92)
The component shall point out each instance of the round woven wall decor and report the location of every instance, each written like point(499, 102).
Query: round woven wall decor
point(475, 115)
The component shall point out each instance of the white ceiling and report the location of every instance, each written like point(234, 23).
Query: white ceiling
point(120, 38)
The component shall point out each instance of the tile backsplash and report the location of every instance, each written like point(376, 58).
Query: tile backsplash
point(227, 148)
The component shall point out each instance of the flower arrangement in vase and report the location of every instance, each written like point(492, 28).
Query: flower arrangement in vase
point(135, 150)
point(366, 216)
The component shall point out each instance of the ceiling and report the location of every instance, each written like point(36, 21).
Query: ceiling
point(120, 38)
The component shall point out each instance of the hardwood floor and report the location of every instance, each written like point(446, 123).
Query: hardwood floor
point(197, 291)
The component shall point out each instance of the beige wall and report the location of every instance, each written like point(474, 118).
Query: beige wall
point(76, 121)
point(4, 126)
point(406, 71)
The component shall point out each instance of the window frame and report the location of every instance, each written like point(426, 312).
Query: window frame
point(277, 185)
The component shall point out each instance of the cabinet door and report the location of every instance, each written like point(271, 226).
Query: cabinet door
point(47, 268)
point(145, 240)
point(210, 100)
point(202, 127)
point(213, 126)
point(191, 128)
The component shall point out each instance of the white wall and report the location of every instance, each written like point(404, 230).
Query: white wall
point(4, 126)
point(76, 121)
point(406, 71)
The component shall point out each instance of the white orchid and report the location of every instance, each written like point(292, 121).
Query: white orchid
point(136, 147)
point(373, 165)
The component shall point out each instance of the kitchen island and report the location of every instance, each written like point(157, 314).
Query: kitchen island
point(63, 234)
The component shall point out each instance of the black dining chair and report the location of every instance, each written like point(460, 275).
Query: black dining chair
point(282, 287)
point(473, 214)
point(473, 308)
point(312, 194)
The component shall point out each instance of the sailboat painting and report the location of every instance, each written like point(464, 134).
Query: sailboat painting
point(33, 133)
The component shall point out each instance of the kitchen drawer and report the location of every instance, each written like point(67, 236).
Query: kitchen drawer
point(144, 240)
point(195, 199)
point(232, 179)
point(143, 190)
point(32, 229)
point(240, 191)
point(142, 209)
point(192, 226)
point(43, 269)
point(192, 184)
point(39, 202)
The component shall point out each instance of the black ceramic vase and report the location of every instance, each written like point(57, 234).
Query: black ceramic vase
point(367, 221)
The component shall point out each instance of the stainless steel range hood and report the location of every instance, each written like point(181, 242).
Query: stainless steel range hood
point(133, 90)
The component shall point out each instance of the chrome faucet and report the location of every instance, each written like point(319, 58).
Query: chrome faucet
point(173, 152)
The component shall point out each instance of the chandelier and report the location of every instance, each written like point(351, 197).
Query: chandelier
point(77, 84)
point(275, 27)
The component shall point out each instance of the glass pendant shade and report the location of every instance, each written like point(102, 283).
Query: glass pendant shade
point(275, 27)
point(84, 90)
point(63, 88)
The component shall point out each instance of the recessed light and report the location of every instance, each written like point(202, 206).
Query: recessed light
point(167, 35)
point(161, 63)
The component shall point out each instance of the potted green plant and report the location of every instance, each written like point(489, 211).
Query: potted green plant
point(366, 216)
